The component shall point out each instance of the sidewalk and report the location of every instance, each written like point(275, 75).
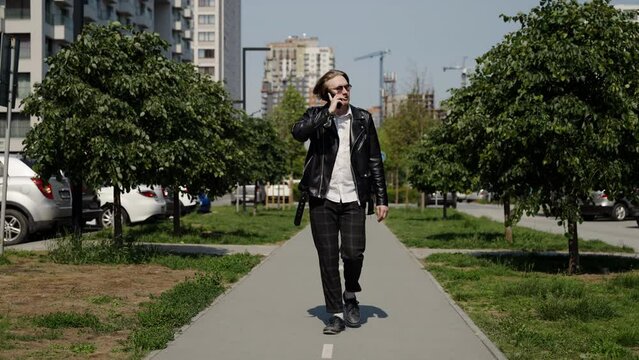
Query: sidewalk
point(277, 312)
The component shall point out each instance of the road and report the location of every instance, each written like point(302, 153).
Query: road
point(618, 233)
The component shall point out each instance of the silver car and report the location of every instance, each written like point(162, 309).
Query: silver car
point(600, 205)
point(32, 203)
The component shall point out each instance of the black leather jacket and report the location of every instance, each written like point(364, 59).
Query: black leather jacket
point(366, 159)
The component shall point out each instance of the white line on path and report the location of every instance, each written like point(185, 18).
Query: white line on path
point(327, 351)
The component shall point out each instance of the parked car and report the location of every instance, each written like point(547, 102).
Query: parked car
point(481, 195)
point(32, 204)
point(188, 202)
point(140, 204)
point(600, 205)
point(91, 206)
point(437, 198)
point(237, 195)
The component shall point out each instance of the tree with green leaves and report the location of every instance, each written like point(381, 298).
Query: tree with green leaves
point(551, 112)
point(191, 122)
point(88, 105)
point(404, 130)
point(283, 117)
point(115, 112)
point(436, 164)
point(265, 151)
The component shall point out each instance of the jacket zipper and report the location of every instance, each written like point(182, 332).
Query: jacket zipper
point(307, 163)
point(353, 170)
point(322, 167)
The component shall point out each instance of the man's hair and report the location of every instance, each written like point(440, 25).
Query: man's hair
point(321, 90)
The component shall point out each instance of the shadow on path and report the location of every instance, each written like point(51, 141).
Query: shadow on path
point(365, 312)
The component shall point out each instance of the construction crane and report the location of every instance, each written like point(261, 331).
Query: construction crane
point(381, 55)
point(464, 71)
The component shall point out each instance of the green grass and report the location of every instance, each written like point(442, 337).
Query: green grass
point(546, 315)
point(63, 320)
point(160, 318)
point(156, 322)
point(223, 226)
point(426, 229)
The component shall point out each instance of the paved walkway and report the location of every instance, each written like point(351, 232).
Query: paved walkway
point(277, 312)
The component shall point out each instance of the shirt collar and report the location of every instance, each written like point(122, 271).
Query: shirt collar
point(347, 116)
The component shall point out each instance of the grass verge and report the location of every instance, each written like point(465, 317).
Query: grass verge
point(426, 229)
point(223, 226)
point(532, 314)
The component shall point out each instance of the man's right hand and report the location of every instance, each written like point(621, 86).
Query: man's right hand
point(335, 103)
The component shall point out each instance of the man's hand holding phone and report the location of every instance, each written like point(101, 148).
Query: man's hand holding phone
point(335, 103)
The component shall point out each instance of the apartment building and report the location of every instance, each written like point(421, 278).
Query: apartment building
point(45, 26)
point(298, 62)
point(629, 8)
point(217, 41)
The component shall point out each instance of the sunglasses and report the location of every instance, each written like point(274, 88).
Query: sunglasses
point(341, 88)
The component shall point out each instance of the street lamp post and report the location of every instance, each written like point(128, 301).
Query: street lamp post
point(244, 50)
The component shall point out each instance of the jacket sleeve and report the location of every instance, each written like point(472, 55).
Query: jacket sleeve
point(376, 166)
point(312, 119)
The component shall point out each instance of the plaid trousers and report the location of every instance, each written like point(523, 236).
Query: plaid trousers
point(328, 219)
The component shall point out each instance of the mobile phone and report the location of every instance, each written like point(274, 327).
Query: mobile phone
point(339, 104)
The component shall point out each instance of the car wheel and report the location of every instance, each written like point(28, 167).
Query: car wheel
point(619, 212)
point(106, 217)
point(16, 227)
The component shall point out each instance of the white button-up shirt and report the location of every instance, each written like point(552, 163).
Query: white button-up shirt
point(342, 187)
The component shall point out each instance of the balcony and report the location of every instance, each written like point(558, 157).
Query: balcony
point(62, 28)
point(63, 3)
point(91, 11)
point(188, 34)
point(177, 4)
point(126, 8)
point(106, 14)
point(144, 21)
point(177, 48)
point(187, 13)
point(177, 25)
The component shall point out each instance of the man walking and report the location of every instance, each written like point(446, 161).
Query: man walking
point(343, 172)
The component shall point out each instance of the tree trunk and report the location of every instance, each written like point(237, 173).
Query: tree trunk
point(422, 201)
point(508, 228)
point(396, 186)
point(244, 198)
point(177, 211)
point(76, 210)
point(573, 248)
point(255, 199)
point(445, 206)
point(117, 218)
point(406, 197)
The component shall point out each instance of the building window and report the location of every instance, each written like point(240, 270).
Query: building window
point(24, 85)
point(206, 19)
point(20, 125)
point(206, 53)
point(206, 3)
point(208, 70)
point(25, 45)
point(17, 9)
point(206, 36)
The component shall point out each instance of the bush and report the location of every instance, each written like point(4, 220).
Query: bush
point(413, 195)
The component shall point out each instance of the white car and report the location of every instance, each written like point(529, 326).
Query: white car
point(141, 203)
point(188, 202)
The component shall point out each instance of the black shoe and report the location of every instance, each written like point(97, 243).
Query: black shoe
point(335, 326)
point(351, 312)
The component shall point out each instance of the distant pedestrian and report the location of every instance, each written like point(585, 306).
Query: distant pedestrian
point(343, 172)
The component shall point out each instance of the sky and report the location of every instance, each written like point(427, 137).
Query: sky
point(423, 36)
